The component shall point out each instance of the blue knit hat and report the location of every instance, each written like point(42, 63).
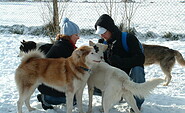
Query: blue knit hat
point(69, 28)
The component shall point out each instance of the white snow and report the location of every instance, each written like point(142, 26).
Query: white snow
point(170, 99)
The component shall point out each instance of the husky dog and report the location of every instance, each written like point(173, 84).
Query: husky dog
point(67, 75)
point(114, 84)
point(154, 54)
point(27, 46)
point(163, 56)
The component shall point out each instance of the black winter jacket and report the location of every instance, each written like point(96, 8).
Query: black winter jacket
point(62, 48)
point(115, 54)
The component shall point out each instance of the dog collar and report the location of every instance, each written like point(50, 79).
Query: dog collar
point(85, 69)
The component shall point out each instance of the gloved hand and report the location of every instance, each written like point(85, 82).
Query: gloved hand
point(101, 40)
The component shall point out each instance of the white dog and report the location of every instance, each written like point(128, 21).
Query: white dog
point(114, 84)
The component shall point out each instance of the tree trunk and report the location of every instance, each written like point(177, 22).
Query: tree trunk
point(55, 17)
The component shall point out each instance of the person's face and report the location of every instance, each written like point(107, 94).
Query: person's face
point(74, 38)
point(106, 36)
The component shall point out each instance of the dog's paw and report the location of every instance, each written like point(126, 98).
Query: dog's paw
point(165, 84)
point(31, 109)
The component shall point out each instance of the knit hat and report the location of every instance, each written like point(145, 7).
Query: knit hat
point(106, 22)
point(69, 28)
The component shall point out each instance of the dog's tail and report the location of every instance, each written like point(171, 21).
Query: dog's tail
point(141, 90)
point(179, 57)
point(31, 55)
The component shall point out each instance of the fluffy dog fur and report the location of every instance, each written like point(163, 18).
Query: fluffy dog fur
point(67, 75)
point(154, 54)
point(114, 84)
point(163, 56)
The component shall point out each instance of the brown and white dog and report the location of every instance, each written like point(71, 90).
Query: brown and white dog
point(115, 83)
point(154, 54)
point(68, 75)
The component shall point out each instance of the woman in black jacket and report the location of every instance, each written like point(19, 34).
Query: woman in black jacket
point(63, 47)
point(130, 61)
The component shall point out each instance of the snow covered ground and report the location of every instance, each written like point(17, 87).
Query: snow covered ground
point(170, 99)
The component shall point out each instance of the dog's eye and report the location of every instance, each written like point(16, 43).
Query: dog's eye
point(92, 53)
point(96, 48)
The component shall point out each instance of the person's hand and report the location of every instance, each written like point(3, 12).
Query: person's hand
point(101, 40)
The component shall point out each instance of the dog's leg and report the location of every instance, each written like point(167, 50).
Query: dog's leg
point(101, 109)
point(168, 76)
point(25, 92)
point(20, 104)
point(166, 67)
point(69, 101)
point(79, 94)
point(111, 96)
point(167, 79)
point(90, 91)
point(130, 100)
point(24, 96)
point(27, 101)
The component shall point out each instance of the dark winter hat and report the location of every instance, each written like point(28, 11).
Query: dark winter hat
point(106, 22)
point(69, 28)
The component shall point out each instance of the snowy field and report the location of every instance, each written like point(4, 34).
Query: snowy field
point(170, 99)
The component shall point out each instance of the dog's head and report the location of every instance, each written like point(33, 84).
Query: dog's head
point(26, 46)
point(86, 56)
point(99, 48)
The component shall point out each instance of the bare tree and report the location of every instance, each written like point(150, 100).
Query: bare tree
point(126, 8)
point(56, 17)
point(108, 6)
point(130, 8)
point(52, 13)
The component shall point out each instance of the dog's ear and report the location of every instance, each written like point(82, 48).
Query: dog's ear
point(22, 43)
point(78, 53)
point(83, 50)
point(91, 43)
